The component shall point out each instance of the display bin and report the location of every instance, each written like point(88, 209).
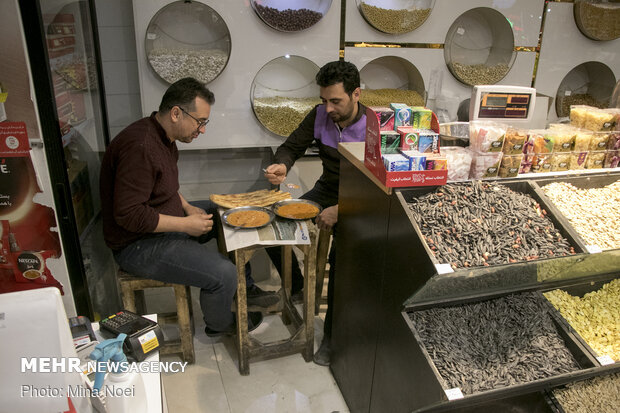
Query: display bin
point(582, 182)
point(579, 289)
point(582, 354)
point(445, 281)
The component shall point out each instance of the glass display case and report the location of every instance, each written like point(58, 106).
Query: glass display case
point(291, 16)
point(283, 92)
point(391, 79)
point(187, 38)
point(590, 83)
point(598, 19)
point(395, 16)
point(479, 47)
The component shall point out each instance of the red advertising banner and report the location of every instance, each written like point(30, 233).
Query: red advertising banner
point(26, 239)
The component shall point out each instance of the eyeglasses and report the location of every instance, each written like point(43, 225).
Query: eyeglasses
point(200, 123)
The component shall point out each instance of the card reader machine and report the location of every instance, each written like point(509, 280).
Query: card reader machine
point(513, 105)
point(143, 335)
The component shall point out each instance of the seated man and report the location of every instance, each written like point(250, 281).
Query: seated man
point(340, 118)
point(150, 227)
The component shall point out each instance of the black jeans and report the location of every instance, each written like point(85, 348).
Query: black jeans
point(326, 199)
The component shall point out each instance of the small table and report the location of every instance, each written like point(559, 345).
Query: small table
point(302, 340)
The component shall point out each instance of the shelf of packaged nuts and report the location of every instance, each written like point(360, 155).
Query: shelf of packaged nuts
point(597, 19)
point(590, 83)
point(396, 16)
point(187, 39)
point(479, 47)
point(283, 92)
point(390, 79)
point(291, 16)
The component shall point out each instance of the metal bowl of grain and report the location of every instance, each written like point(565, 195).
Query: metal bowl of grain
point(296, 209)
point(248, 217)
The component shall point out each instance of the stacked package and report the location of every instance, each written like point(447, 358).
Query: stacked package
point(407, 141)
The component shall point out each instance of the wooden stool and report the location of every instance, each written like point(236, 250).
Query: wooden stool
point(132, 289)
point(322, 250)
point(302, 340)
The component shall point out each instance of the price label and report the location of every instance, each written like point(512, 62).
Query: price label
point(460, 31)
point(567, 93)
point(605, 360)
point(443, 268)
point(454, 394)
point(151, 36)
point(593, 249)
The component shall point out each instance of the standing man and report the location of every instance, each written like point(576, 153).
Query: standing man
point(340, 118)
point(152, 230)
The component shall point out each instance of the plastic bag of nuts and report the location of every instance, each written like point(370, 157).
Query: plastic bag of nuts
point(459, 162)
point(513, 141)
point(560, 161)
point(578, 160)
point(486, 136)
point(526, 163)
point(485, 165)
point(582, 140)
point(563, 139)
point(612, 158)
point(542, 141)
point(541, 162)
point(510, 165)
point(595, 159)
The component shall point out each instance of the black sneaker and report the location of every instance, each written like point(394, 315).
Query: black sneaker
point(323, 356)
point(254, 320)
point(261, 298)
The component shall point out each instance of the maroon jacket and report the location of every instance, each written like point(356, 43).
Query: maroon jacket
point(139, 180)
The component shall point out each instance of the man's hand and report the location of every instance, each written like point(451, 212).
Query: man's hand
point(193, 210)
point(198, 224)
point(276, 173)
point(327, 218)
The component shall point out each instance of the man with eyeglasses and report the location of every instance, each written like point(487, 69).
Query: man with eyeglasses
point(151, 228)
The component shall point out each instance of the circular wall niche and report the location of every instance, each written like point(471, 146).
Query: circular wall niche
point(187, 39)
point(590, 83)
point(291, 16)
point(283, 92)
point(395, 16)
point(391, 79)
point(598, 19)
point(479, 47)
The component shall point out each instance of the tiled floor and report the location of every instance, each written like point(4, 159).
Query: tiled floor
point(287, 384)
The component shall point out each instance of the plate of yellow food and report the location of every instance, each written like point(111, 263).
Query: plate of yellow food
point(249, 217)
point(296, 209)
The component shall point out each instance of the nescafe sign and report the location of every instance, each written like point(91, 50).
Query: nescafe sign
point(28, 261)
